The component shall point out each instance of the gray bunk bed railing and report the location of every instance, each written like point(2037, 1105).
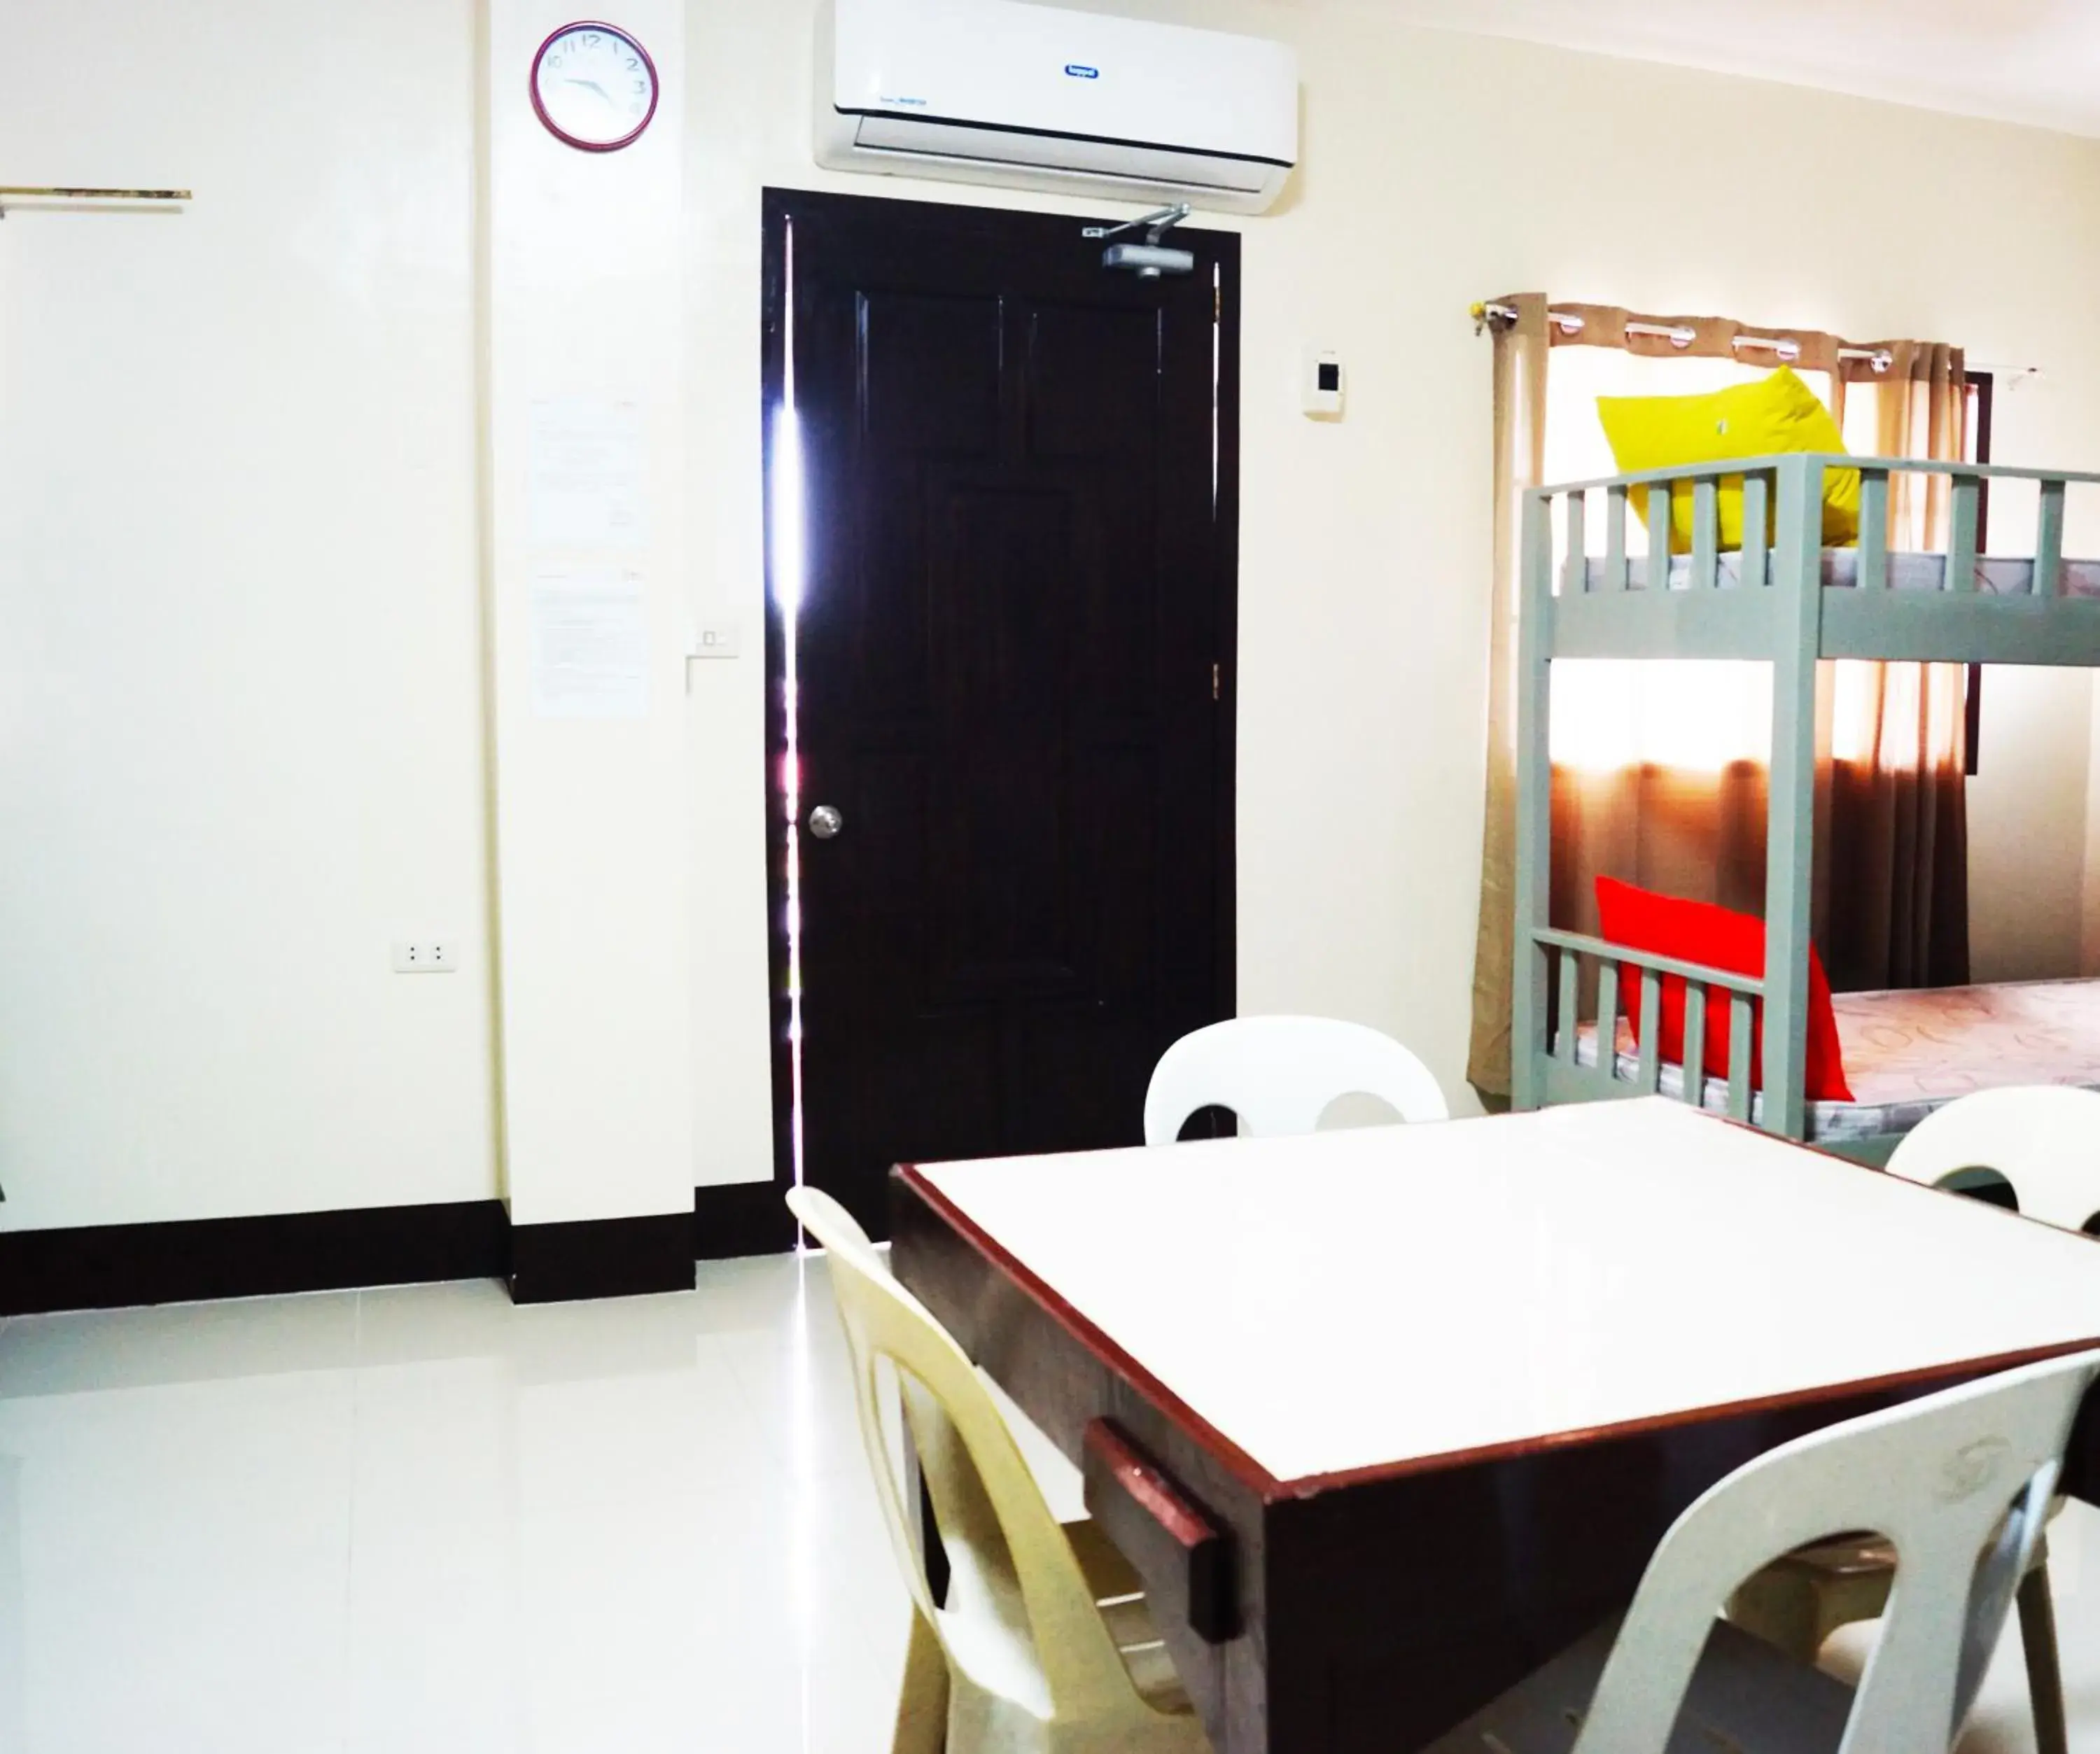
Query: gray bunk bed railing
point(1773, 604)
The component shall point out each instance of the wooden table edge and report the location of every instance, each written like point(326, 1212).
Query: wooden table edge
point(1950, 1373)
point(1198, 1429)
point(1272, 1489)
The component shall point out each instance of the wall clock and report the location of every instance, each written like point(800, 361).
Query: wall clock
point(595, 86)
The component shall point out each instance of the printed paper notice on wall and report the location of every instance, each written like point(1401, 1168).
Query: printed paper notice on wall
point(590, 645)
point(587, 469)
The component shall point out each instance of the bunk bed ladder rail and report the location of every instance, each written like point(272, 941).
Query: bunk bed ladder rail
point(1703, 571)
point(1797, 636)
point(1873, 529)
point(1964, 576)
point(2048, 540)
point(1780, 584)
point(1563, 956)
point(1778, 610)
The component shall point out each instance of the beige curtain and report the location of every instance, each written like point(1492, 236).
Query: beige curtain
point(1891, 884)
point(1896, 902)
point(1520, 350)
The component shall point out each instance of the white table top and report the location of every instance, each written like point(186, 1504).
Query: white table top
point(1357, 1298)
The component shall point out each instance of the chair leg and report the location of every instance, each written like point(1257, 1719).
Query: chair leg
point(2044, 1676)
point(922, 1702)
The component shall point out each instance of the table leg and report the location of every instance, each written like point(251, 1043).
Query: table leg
point(2044, 1677)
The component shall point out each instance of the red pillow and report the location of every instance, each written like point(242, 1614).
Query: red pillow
point(1717, 937)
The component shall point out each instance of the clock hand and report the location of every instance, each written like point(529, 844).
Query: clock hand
point(592, 83)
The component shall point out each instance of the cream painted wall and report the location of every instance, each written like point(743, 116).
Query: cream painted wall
point(238, 680)
point(585, 304)
point(1439, 168)
point(238, 564)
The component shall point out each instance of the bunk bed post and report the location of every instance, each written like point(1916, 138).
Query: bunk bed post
point(1789, 841)
point(1534, 803)
point(2048, 542)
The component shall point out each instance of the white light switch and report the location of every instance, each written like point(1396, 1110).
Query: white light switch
point(718, 637)
point(1321, 386)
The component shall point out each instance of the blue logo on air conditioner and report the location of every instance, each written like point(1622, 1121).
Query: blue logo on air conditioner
point(1077, 72)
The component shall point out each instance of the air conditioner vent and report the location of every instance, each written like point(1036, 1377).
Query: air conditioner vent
point(1029, 96)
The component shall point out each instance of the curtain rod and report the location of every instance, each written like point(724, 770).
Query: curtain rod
point(1571, 323)
point(2014, 375)
point(29, 191)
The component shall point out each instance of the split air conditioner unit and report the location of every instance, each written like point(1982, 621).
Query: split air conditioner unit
point(1036, 97)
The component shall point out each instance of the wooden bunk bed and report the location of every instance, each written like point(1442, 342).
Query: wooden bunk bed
point(1791, 603)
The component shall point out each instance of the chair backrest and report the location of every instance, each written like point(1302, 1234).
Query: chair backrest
point(1018, 1618)
point(1278, 1074)
point(1934, 1477)
point(2044, 1139)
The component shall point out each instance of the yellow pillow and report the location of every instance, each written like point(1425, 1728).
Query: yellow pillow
point(1775, 414)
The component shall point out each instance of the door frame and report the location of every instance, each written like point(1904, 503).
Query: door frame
point(778, 207)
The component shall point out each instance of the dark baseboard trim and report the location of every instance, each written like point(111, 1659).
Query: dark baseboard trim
point(601, 1258)
point(114, 1266)
point(195, 1260)
point(739, 1218)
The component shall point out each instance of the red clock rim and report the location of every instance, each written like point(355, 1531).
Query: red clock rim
point(554, 127)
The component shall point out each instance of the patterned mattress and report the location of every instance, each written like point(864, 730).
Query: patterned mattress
point(1906, 1053)
point(2000, 574)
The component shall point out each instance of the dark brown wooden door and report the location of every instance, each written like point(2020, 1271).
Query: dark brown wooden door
point(1014, 657)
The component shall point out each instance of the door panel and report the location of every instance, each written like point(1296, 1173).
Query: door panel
point(1013, 653)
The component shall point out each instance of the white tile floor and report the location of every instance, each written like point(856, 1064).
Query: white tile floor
point(422, 1519)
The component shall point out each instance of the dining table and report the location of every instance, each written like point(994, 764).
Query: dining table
point(1386, 1416)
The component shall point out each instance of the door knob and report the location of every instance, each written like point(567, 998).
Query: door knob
point(825, 821)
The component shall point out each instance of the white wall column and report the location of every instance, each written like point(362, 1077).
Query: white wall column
point(583, 306)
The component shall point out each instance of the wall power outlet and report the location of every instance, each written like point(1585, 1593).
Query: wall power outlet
point(425, 956)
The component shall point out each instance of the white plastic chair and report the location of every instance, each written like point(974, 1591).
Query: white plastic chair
point(1935, 1477)
point(1043, 1644)
point(2044, 1141)
point(1278, 1074)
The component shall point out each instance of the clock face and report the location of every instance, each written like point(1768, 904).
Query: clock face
point(595, 86)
